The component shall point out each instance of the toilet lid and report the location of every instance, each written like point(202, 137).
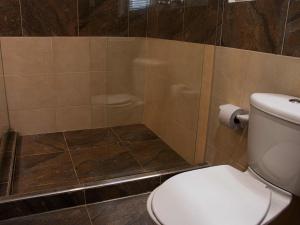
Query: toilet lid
point(212, 196)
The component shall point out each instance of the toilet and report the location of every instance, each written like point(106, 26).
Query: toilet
point(223, 195)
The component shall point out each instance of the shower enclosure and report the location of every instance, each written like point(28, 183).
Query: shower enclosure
point(89, 110)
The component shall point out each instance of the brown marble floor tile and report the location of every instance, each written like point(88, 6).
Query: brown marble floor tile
point(49, 18)
point(92, 138)
point(4, 166)
point(138, 19)
point(155, 155)
point(10, 18)
point(104, 18)
point(292, 36)
point(165, 20)
point(33, 172)
point(74, 216)
point(257, 25)
point(136, 132)
point(3, 188)
point(41, 144)
point(125, 211)
point(104, 163)
point(200, 21)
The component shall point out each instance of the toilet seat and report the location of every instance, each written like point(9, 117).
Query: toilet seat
point(212, 196)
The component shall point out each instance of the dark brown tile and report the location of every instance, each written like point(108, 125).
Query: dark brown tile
point(74, 216)
point(4, 166)
point(49, 17)
point(10, 19)
point(3, 189)
point(104, 163)
point(87, 139)
point(103, 17)
point(41, 144)
point(138, 18)
point(33, 172)
point(292, 35)
point(200, 21)
point(257, 25)
point(121, 190)
point(130, 210)
point(156, 155)
point(136, 132)
point(165, 20)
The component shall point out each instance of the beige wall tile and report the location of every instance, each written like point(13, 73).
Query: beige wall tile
point(73, 89)
point(99, 116)
point(71, 54)
point(98, 83)
point(205, 97)
point(23, 55)
point(28, 122)
point(73, 118)
point(30, 92)
point(98, 53)
point(238, 74)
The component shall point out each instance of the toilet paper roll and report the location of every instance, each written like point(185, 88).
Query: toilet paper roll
point(227, 115)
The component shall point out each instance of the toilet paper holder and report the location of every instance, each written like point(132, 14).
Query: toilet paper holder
point(233, 116)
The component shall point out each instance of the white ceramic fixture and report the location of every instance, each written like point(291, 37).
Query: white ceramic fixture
point(224, 195)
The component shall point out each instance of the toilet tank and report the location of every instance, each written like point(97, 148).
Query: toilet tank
point(274, 139)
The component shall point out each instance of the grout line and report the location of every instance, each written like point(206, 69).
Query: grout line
point(21, 17)
point(285, 25)
point(77, 7)
point(73, 165)
point(222, 5)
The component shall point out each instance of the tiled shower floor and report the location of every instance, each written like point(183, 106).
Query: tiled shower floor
point(67, 159)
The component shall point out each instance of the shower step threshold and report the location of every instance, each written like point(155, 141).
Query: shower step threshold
point(23, 205)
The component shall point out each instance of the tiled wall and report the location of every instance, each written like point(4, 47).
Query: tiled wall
point(4, 121)
point(173, 92)
point(238, 74)
point(263, 25)
point(67, 83)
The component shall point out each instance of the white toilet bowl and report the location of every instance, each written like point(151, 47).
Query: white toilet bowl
point(220, 195)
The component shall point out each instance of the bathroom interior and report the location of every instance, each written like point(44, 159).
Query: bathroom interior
point(104, 101)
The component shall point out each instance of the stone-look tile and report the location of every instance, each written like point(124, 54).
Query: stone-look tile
point(238, 74)
point(26, 123)
point(38, 170)
point(98, 53)
point(137, 132)
point(130, 210)
point(98, 87)
point(27, 56)
point(155, 155)
point(165, 20)
point(4, 166)
point(121, 190)
point(257, 25)
point(200, 21)
point(74, 216)
point(104, 162)
point(103, 18)
point(3, 189)
point(10, 19)
point(41, 144)
point(99, 116)
point(73, 89)
point(138, 19)
point(30, 92)
point(91, 138)
point(292, 35)
point(71, 54)
point(49, 18)
point(73, 118)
